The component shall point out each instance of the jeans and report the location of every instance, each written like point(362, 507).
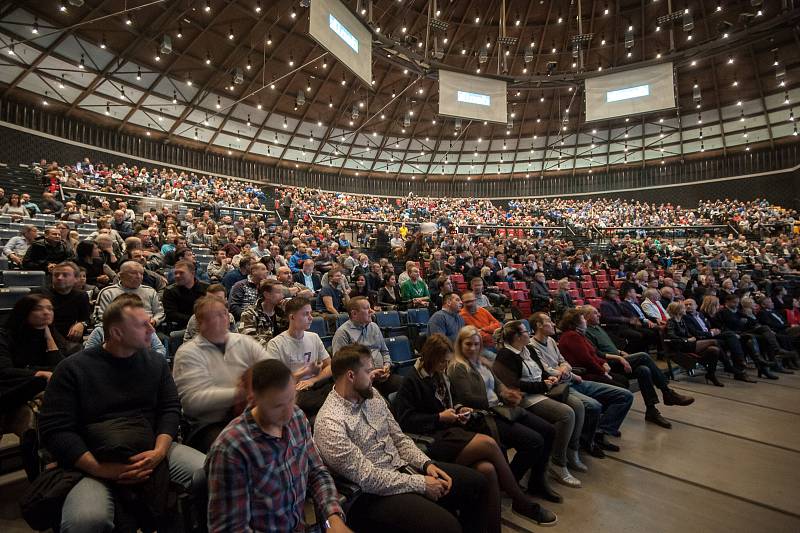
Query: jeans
point(592, 410)
point(89, 506)
point(568, 421)
point(616, 403)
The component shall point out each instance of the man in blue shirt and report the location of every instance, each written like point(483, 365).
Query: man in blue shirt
point(448, 321)
point(296, 260)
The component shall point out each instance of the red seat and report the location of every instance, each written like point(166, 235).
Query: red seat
point(602, 284)
point(524, 307)
point(573, 285)
point(600, 275)
point(594, 302)
point(589, 293)
point(613, 272)
point(587, 277)
point(457, 278)
point(518, 266)
point(502, 285)
point(578, 302)
point(618, 283)
point(574, 293)
point(587, 285)
point(552, 284)
point(519, 295)
point(520, 286)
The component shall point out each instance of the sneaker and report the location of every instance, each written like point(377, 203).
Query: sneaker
point(533, 511)
point(574, 461)
point(563, 476)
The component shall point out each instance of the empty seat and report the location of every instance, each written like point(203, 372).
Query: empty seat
point(23, 278)
point(389, 322)
point(9, 296)
point(520, 286)
point(319, 326)
point(400, 351)
point(552, 284)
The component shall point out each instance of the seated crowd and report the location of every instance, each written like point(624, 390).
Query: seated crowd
point(246, 362)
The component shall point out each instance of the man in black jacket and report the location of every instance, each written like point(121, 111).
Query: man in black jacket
point(46, 253)
point(121, 379)
point(540, 294)
point(179, 298)
point(308, 276)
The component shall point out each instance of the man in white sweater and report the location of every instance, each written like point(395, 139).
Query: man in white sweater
point(208, 372)
point(305, 355)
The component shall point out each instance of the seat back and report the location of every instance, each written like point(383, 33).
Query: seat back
point(419, 315)
point(388, 319)
point(399, 349)
point(23, 278)
point(9, 296)
point(319, 326)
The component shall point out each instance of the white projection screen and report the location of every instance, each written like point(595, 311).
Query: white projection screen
point(472, 97)
point(334, 27)
point(629, 93)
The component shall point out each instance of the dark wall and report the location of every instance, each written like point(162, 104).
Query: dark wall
point(784, 189)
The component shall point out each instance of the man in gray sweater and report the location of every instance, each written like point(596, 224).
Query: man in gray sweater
point(448, 321)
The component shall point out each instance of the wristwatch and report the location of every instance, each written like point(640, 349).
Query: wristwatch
point(327, 522)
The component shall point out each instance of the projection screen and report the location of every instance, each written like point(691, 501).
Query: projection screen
point(337, 30)
point(631, 92)
point(472, 97)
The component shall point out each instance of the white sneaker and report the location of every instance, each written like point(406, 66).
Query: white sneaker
point(574, 461)
point(562, 475)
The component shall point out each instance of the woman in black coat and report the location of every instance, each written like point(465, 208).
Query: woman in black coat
point(706, 349)
point(29, 351)
point(389, 297)
point(425, 406)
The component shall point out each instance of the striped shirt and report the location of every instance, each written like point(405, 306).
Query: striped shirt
point(258, 482)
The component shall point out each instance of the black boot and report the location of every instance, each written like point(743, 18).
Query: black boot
point(712, 378)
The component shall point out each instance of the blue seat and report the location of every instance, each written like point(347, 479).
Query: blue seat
point(389, 322)
point(418, 318)
point(341, 319)
point(319, 326)
point(527, 324)
point(400, 353)
point(23, 278)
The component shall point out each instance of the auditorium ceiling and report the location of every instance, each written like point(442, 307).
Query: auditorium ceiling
point(243, 79)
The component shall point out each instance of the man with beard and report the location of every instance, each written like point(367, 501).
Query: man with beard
point(359, 439)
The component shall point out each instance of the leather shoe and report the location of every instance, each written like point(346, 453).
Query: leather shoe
point(595, 451)
point(654, 415)
point(546, 492)
point(604, 445)
point(673, 398)
point(741, 376)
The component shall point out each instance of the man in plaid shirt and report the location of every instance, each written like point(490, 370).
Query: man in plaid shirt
point(264, 462)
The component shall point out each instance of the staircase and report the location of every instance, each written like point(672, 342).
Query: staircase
point(20, 179)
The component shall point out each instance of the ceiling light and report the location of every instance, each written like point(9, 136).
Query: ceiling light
point(179, 35)
point(207, 9)
point(128, 20)
point(62, 8)
point(291, 60)
point(103, 43)
point(189, 80)
point(293, 14)
point(82, 64)
point(138, 74)
point(269, 39)
point(61, 82)
point(208, 58)
point(35, 27)
point(231, 36)
point(258, 6)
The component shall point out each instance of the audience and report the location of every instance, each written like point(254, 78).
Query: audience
point(402, 488)
point(96, 393)
point(208, 372)
point(325, 266)
point(305, 355)
point(264, 464)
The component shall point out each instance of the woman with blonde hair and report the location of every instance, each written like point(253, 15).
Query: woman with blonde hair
point(474, 385)
point(424, 405)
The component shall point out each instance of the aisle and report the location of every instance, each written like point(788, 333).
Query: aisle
point(729, 464)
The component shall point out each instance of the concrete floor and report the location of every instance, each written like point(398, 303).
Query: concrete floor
point(729, 464)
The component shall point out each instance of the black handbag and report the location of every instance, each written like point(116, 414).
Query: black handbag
point(559, 392)
point(42, 502)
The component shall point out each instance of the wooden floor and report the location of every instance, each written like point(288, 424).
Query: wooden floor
point(730, 464)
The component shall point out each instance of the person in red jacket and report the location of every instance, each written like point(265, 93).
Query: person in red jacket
point(596, 380)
